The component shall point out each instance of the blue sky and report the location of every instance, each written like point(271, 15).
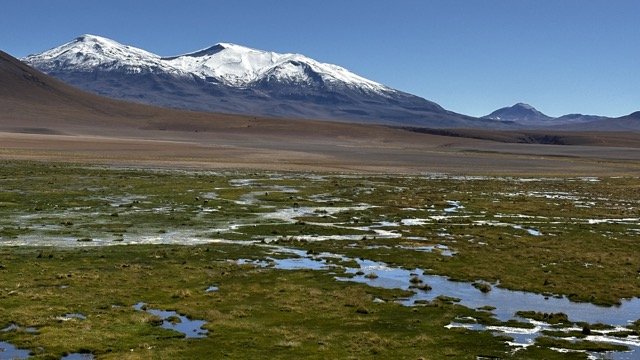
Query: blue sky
point(472, 57)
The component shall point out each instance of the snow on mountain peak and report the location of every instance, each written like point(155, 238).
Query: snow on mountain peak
point(229, 63)
point(525, 106)
point(97, 46)
point(239, 65)
point(89, 52)
point(90, 38)
point(211, 50)
point(233, 64)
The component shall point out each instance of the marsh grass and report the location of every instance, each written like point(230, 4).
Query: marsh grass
point(294, 313)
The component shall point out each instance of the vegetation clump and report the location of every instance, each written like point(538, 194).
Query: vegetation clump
point(482, 286)
point(550, 318)
point(447, 299)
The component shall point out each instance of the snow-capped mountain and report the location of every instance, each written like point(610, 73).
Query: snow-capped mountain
point(88, 53)
point(240, 66)
point(237, 79)
point(230, 64)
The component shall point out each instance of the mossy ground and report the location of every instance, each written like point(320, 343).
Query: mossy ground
point(289, 314)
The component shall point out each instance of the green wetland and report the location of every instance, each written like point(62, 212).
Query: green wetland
point(118, 263)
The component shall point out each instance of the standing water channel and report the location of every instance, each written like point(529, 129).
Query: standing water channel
point(10, 352)
point(506, 302)
point(171, 320)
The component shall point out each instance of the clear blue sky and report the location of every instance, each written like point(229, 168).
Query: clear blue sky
point(473, 56)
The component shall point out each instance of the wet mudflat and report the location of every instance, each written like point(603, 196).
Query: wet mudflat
point(475, 256)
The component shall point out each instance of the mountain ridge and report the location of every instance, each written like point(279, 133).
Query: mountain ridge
point(236, 79)
point(44, 119)
point(520, 112)
point(528, 117)
point(231, 78)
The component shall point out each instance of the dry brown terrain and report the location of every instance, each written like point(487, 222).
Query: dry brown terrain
point(43, 119)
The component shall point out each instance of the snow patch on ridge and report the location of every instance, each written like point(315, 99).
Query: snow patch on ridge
point(526, 106)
